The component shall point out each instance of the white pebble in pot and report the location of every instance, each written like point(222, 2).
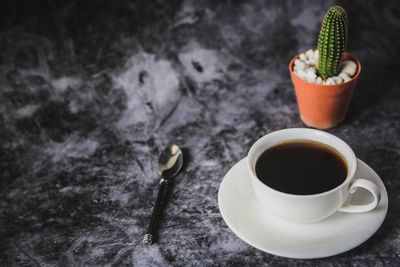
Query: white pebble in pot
point(316, 55)
point(348, 67)
point(344, 76)
point(310, 75)
point(337, 79)
point(299, 63)
point(330, 81)
point(310, 53)
point(300, 73)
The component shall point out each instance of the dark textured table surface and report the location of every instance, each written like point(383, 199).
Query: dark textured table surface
point(90, 93)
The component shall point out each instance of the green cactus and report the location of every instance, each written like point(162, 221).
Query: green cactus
point(332, 41)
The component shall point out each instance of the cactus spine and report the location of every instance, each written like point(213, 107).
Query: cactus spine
point(332, 41)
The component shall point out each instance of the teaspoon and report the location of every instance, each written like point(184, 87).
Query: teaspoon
point(170, 162)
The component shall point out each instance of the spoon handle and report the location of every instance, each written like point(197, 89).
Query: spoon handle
point(155, 216)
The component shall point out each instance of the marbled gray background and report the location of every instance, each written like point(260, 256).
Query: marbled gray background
point(91, 90)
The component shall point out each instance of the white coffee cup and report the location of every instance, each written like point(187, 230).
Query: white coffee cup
point(315, 207)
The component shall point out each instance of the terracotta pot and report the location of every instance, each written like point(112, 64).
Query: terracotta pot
point(323, 106)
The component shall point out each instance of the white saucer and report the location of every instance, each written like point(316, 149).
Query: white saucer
point(260, 229)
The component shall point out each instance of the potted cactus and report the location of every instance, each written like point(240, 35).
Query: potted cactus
point(324, 79)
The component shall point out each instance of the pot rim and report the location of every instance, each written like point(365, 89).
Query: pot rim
point(346, 54)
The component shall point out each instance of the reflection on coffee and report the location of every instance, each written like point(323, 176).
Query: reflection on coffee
point(301, 167)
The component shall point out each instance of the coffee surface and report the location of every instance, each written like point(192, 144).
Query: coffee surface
point(301, 167)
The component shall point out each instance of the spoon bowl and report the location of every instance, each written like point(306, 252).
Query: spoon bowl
point(170, 161)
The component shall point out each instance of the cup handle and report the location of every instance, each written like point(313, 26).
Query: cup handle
point(372, 188)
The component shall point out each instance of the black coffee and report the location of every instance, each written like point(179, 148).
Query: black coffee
point(301, 167)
